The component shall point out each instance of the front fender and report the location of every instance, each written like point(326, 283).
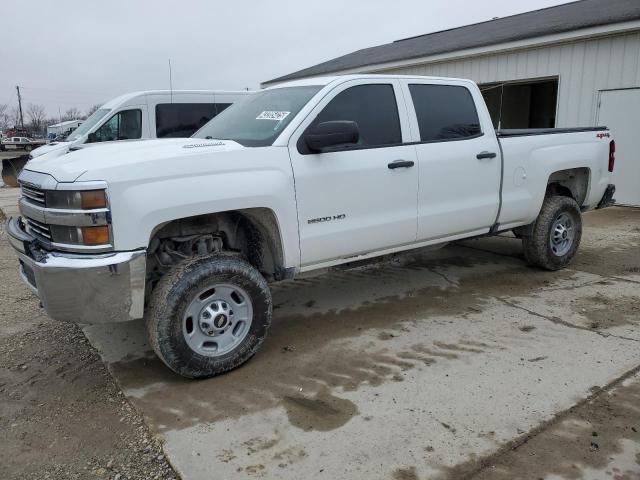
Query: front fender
point(263, 181)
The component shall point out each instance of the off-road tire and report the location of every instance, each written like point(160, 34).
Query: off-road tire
point(537, 248)
point(171, 297)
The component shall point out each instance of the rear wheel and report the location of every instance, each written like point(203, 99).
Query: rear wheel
point(209, 315)
point(556, 234)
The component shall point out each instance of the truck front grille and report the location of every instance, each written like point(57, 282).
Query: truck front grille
point(33, 195)
point(38, 229)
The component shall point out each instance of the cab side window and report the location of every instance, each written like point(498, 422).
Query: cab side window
point(125, 125)
point(373, 107)
point(445, 112)
point(184, 119)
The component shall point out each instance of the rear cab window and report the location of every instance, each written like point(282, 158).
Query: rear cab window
point(181, 120)
point(445, 112)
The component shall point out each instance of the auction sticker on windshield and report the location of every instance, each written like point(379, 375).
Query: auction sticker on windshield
point(273, 115)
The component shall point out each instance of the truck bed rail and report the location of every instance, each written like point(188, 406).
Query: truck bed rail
point(523, 132)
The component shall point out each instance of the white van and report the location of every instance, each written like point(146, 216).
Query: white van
point(145, 115)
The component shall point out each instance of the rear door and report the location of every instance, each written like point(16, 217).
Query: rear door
point(350, 201)
point(459, 162)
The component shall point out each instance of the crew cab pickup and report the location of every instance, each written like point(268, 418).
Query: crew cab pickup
point(188, 233)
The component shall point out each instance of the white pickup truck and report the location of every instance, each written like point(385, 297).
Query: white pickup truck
point(187, 233)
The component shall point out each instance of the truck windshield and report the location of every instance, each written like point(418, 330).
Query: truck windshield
point(257, 119)
point(94, 118)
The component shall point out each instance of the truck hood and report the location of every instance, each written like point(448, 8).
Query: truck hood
point(51, 147)
point(116, 159)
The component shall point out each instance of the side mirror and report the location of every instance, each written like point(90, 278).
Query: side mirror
point(92, 138)
point(330, 134)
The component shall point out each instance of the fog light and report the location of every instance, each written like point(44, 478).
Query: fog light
point(95, 235)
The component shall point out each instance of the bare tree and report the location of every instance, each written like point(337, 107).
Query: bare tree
point(93, 109)
point(36, 115)
point(71, 114)
point(14, 117)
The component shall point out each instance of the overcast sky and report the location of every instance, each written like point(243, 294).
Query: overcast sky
point(77, 53)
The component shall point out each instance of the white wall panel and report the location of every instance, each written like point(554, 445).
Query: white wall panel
point(584, 68)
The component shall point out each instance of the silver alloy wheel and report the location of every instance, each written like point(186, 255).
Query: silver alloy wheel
point(562, 235)
point(217, 320)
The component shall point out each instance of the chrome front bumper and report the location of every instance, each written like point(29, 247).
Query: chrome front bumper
point(81, 288)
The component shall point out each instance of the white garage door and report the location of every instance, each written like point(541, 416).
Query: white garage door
point(620, 111)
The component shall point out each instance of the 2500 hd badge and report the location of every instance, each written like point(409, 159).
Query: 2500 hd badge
point(341, 216)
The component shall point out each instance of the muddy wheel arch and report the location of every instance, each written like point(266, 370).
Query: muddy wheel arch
point(252, 233)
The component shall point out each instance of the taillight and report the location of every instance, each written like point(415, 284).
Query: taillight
point(612, 155)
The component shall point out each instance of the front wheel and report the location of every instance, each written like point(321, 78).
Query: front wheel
point(556, 234)
point(209, 315)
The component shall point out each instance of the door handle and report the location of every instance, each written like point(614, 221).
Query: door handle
point(401, 164)
point(483, 155)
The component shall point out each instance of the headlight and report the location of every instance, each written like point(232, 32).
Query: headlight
point(78, 217)
point(76, 200)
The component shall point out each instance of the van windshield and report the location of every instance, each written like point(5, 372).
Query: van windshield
point(256, 120)
point(88, 124)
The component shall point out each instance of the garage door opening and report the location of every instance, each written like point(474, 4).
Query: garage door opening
point(522, 104)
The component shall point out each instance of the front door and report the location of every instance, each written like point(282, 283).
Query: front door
point(352, 201)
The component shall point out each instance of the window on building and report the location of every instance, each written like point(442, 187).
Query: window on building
point(372, 107)
point(522, 104)
point(184, 119)
point(445, 112)
point(124, 125)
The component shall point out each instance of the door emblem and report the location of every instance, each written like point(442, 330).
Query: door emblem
point(341, 216)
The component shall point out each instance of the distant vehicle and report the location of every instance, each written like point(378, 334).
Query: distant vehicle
point(304, 176)
point(145, 115)
point(20, 143)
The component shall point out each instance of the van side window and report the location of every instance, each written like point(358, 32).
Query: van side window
point(184, 119)
point(445, 112)
point(372, 107)
point(124, 125)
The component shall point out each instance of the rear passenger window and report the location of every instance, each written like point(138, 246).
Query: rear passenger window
point(445, 112)
point(372, 107)
point(184, 119)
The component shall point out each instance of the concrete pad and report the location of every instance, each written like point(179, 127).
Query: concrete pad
point(407, 368)
point(596, 439)
point(609, 307)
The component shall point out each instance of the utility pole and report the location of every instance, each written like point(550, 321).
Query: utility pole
point(20, 106)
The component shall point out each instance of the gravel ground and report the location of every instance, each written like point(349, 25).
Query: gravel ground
point(61, 413)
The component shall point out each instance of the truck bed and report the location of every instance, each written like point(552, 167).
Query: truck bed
point(530, 157)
